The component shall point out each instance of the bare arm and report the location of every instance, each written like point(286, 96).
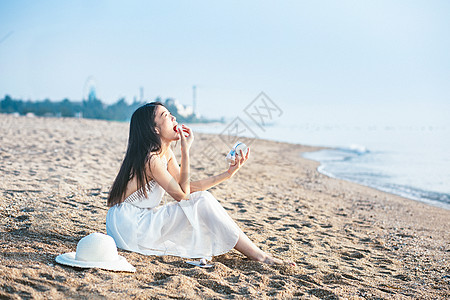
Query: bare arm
point(177, 184)
point(199, 185)
point(166, 181)
point(204, 184)
point(185, 175)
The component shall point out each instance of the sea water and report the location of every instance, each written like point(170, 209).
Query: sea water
point(412, 161)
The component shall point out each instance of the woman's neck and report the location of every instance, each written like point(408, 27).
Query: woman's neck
point(164, 147)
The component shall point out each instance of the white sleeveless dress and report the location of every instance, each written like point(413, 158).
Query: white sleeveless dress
point(195, 228)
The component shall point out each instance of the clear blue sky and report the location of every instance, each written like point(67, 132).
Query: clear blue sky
point(364, 57)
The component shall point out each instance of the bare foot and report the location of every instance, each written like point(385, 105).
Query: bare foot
point(270, 260)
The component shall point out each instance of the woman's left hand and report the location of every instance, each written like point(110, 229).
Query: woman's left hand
point(239, 161)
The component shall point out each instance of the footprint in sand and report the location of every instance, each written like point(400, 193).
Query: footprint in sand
point(351, 277)
point(283, 229)
point(333, 278)
point(216, 286)
point(22, 218)
point(292, 225)
point(161, 276)
point(351, 255)
point(326, 225)
point(282, 249)
point(323, 294)
point(238, 204)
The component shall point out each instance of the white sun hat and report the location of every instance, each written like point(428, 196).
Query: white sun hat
point(96, 250)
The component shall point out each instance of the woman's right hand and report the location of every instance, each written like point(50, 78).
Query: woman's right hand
point(186, 141)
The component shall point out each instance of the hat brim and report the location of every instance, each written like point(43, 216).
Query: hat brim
point(118, 265)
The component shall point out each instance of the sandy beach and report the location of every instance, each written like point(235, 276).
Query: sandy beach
point(349, 241)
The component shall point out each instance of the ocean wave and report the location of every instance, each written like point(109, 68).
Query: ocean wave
point(360, 149)
point(338, 154)
point(357, 164)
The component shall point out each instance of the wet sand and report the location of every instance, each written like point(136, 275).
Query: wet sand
point(349, 241)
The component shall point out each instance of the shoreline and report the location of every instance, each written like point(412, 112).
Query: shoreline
point(348, 240)
point(430, 202)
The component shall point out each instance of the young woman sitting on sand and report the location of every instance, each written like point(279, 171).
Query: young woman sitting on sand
point(196, 226)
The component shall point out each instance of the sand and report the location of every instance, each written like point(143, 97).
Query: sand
point(349, 241)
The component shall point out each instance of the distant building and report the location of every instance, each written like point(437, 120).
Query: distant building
point(92, 95)
point(182, 110)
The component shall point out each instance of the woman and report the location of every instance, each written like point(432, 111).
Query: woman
point(196, 226)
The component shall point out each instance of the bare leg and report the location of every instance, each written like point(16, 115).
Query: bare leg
point(246, 247)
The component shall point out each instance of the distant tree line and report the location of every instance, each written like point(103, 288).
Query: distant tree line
point(92, 108)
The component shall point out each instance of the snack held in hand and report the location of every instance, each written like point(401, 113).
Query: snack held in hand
point(236, 150)
point(179, 127)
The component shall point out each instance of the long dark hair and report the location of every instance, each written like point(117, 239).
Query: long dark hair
point(142, 141)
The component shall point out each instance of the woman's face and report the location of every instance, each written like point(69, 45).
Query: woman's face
point(165, 124)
